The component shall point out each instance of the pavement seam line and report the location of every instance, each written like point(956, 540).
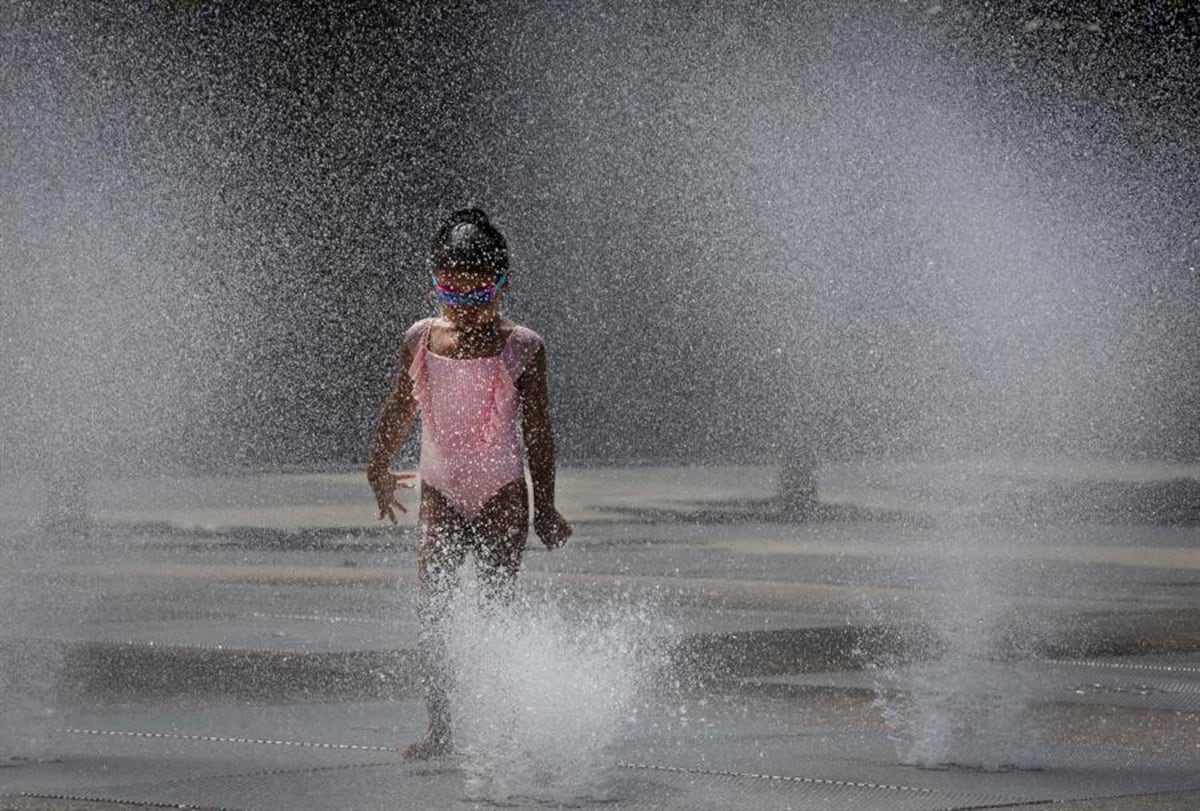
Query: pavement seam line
point(368, 748)
point(781, 778)
point(80, 798)
point(175, 736)
point(319, 618)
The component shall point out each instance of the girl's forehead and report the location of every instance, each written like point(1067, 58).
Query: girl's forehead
point(471, 277)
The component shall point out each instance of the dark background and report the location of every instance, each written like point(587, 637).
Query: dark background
point(743, 229)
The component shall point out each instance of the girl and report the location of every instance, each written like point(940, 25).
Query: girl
point(467, 373)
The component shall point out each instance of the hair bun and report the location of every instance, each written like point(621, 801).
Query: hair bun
point(466, 239)
point(472, 216)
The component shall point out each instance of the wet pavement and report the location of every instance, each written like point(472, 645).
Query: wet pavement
point(969, 635)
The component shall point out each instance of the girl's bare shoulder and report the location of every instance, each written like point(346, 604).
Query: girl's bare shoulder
point(417, 328)
point(413, 335)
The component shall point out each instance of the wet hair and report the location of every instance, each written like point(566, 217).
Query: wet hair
point(468, 242)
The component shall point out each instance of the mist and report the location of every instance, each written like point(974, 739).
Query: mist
point(918, 228)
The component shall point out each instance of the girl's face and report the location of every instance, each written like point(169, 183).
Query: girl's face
point(452, 283)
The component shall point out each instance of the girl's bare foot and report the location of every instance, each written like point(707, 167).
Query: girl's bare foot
point(434, 743)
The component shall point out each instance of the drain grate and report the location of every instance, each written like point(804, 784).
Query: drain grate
point(1131, 684)
point(1190, 670)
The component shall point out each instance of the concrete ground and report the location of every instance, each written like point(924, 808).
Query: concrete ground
point(981, 634)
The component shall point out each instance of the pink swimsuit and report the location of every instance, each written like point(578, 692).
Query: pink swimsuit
point(470, 448)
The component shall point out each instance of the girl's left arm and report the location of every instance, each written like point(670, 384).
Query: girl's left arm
point(538, 433)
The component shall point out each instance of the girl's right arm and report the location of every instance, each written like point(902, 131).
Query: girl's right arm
point(391, 427)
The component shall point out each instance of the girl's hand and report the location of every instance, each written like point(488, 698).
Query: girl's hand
point(385, 493)
point(552, 528)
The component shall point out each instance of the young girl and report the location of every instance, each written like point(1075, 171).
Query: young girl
point(468, 373)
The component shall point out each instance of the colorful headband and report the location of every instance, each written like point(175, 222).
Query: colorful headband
point(479, 297)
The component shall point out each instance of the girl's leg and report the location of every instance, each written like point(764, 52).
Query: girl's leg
point(442, 547)
point(501, 530)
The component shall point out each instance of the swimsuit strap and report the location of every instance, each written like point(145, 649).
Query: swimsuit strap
point(417, 339)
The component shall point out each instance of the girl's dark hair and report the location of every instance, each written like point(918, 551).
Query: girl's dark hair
point(467, 241)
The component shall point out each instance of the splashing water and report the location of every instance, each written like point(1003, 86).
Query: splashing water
point(961, 712)
point(540, 700)
point(30, 659)
point(970, 703)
